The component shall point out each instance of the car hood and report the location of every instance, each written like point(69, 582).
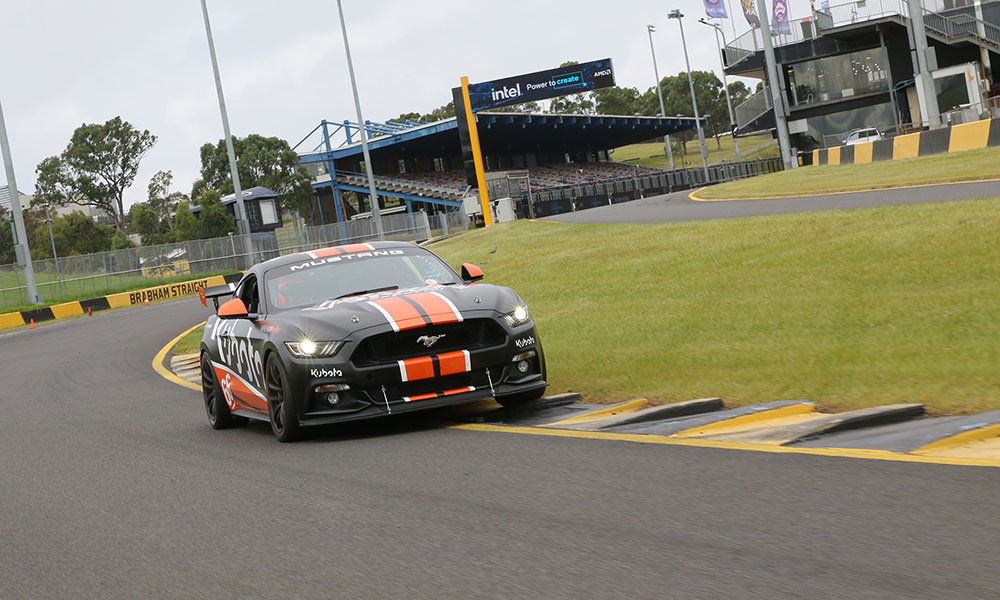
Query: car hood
point(400, 309)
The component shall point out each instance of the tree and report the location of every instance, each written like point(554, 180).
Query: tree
point(95, 169)
point(261, 161)
point(162, 201)
point(74, 234)
point(617, 101)
point(7, 255)
point(215, 220)
point(677, 99)
point(120, 241)
point(147, 224)
point(186, 225)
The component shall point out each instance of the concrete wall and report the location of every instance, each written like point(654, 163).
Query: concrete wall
point(956, 138)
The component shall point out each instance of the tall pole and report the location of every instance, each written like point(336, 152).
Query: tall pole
point(931, 109)
point(20, 237)
point(55, 256)
point(241, 210)
point(725, 84)
point(659, 94)
point(369, 167)
point(677, 14)
point(774, 79)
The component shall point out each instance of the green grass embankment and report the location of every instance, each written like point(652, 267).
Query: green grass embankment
point(848, 308)
point(971, 165)
point(652, 155)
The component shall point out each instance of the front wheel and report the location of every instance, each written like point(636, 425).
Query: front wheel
point(219, 416)
point(280, 404)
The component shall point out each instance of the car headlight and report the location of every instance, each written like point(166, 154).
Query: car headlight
point(311, 349)
point(518, 316)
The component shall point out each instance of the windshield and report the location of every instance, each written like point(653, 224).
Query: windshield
point(310, 282)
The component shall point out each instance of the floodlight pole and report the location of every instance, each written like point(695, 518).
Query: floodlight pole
point(777, 98)
point(677, 14)
point(241, 210)
point(20, 237)
point(369, 167)
point(725, 85)
point(659, 94)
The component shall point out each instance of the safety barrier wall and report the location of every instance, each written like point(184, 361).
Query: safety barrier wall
point(954, 138)
point(571, 198)
point(134, 298)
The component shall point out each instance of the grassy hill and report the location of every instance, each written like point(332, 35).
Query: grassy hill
point(846, 308)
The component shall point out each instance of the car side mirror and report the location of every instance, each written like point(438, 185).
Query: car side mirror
point(471, 272)
point(233, 309)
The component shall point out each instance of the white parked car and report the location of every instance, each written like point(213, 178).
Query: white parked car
point(859, 136)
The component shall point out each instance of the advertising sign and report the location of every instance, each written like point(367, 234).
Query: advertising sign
point(582, 77)
point(779, 17)
point(715, 9)
point(750, 12)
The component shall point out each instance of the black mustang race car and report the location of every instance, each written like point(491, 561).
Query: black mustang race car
point(361, 331)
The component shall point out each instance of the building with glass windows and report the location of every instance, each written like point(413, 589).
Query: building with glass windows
point(851, 66)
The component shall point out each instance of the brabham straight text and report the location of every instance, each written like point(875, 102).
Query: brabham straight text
point(167, 291)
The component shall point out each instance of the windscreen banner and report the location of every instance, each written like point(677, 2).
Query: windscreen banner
point(542, 85)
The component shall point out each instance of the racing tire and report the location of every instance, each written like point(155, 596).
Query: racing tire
point(280, 404)
point(219, 416)
point(520, 399)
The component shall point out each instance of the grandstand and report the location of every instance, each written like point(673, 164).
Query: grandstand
point(420, 165)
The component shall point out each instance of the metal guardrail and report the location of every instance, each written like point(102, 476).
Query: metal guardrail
point(753, 107)
point(571, 198)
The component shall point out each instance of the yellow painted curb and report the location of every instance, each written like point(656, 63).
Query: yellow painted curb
point(67, 309)
point(692, 195)
point(760, 418)
point(603, 413)
point(165, 372)
point(960, 439)
point(11, 320)
point(748, 446)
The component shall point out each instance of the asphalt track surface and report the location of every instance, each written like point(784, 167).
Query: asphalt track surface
point(114, 486)
point(677, 206)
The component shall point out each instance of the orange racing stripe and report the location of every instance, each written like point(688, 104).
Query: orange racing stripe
point(401, 314)
point(437, 307)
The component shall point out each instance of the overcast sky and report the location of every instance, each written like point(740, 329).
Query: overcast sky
point(65, 63)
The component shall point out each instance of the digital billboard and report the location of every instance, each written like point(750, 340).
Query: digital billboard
point(542, 85)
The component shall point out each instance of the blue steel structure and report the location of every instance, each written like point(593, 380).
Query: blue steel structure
point(501, 132)
point(379, 135)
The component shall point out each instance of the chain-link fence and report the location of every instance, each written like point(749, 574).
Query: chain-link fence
point(103, 273)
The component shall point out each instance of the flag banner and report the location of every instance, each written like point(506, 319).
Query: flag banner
point(750, 12)
point(715, 9)
point(779, 18)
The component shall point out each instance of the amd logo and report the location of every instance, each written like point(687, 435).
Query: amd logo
point(506, 93)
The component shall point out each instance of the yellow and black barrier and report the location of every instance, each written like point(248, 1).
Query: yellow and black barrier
point(159, 293)
point(954, 138)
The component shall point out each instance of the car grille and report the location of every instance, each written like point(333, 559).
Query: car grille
point(390, 347)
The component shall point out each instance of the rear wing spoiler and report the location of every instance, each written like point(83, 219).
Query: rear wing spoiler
point(215, 293)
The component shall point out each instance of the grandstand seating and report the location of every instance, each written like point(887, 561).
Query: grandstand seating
point(451, 185)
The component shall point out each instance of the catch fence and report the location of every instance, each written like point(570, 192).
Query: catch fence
point(94, 275)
